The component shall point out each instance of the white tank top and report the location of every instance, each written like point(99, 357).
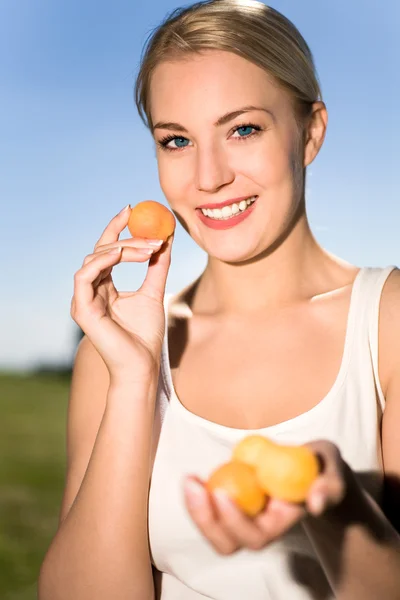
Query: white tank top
point(349, 415)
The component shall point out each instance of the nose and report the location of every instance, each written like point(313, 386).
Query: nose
point(213, 170)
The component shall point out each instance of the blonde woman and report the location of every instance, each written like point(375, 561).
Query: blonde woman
point(276, 336)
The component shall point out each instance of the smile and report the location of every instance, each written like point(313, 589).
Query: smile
point(227, 212)
point(229, 216)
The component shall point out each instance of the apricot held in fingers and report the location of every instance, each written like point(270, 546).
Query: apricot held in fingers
point(287, 472)
point(251, 449)
point(239, 482)
point(152, 220)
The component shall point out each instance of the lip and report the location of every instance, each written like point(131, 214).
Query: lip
point(226, 202)
point(222, 224)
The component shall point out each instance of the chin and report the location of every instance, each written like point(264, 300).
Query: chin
point(233, 253)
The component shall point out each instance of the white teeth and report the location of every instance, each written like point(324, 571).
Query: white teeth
point(228, 211)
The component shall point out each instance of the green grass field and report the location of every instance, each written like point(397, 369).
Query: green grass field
point(32, 469)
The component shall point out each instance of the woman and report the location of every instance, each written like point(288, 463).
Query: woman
point(277, 337)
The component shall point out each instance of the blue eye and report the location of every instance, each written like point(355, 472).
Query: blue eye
point(245, 127)
point(178, 140)
point(245, 131)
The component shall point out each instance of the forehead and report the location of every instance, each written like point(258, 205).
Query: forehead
point(211, 83)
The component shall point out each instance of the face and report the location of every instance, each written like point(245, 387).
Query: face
point(211, 161)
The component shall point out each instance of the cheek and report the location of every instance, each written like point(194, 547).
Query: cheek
point(269, 165)
point(269, 172)
point(174, 179)
point(167, 178)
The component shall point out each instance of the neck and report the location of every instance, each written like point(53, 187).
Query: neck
point(288, 273)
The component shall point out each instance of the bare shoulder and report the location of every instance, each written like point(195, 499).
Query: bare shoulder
point(389, 331)
point(389, 365)
point(391, 292)
point(87, 401)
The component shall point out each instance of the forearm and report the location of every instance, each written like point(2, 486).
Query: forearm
point(358, 548)
point(101, 549)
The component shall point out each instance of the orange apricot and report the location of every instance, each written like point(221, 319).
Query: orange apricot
point(287, 472)
point(152, 220)
point(239, 482)
point(250, 449)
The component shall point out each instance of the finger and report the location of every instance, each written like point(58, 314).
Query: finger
point(200, 509)
point(278, 517)
point(84, 278)
point(128, 254)
point(116, 225)
point(239, 527)
point(327, 453)
point(329, 488)
point(132, 243)
point(137, 255)
point(157, 273)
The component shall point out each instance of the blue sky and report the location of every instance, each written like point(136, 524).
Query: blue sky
point(73, 150)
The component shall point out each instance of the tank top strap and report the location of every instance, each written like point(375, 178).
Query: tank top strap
point(366, 305)
point(372, 286)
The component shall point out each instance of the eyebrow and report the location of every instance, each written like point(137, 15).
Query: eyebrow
point(221, 121)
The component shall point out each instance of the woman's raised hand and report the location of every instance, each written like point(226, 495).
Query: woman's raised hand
point(126, 328)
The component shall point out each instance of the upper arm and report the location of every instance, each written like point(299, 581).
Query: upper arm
point(87, 401)
point(389, 365)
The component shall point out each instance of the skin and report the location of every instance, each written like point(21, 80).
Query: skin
point(269, 269)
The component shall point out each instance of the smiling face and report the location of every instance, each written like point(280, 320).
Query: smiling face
point(251, 153)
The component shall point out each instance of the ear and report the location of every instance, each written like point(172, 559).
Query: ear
point(315, 131)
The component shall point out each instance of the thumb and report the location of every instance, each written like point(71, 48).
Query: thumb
point(157, 272)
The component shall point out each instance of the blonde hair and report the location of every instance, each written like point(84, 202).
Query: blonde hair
point(248, 28)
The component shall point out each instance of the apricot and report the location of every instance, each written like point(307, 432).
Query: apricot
point(250, 449)
point(287, 472)
point(282, 471)
point(239, 482)
point(152, 220)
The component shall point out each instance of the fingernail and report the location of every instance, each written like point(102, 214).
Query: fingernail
point(223, 499)
point(125, 208)
point(195, 492)
point(154, 242)
point(146, 250)
point(115, 250)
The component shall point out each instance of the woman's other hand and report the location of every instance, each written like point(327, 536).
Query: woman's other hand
point(228, 529)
